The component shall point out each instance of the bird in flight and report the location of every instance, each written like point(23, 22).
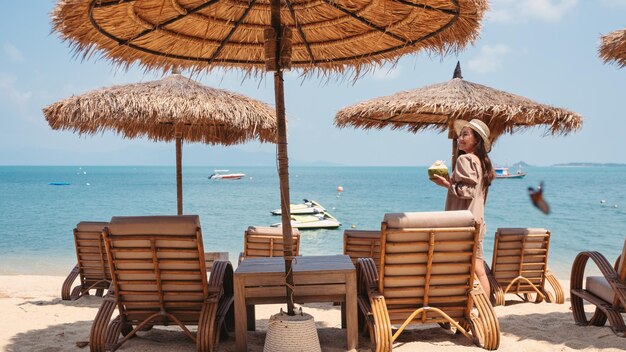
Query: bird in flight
point(536, 196)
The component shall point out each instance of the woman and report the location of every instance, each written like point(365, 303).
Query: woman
point(470, 180)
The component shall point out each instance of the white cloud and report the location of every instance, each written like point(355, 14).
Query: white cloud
point(514, 11)
point(11, 95)
point(12, 52)
point(387, 72)
point(489, 59)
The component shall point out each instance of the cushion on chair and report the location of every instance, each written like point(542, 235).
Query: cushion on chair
point(370, 234)
point(91, 226)
point(600, 287)
point(154, 225)
point(266, 230)
point(521, 231)
point(434, 219)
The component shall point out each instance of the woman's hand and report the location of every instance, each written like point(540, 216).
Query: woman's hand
point(441, 181)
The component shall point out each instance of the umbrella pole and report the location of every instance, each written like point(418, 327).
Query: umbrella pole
point(283, 161)
point(451, 135)
point(179, 170)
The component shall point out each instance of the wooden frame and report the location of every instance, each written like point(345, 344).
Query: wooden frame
point(264, 242)
point(362, 244)
point(159, 277)
point(606, 309)
point(520, 266)
point(426, 276)
point(92, 267)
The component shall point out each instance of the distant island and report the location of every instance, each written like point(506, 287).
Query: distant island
point(584, 164)
point(519, 164)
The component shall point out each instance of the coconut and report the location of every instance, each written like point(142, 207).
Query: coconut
point(438, 168)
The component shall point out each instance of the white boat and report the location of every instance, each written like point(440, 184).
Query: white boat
point(503, 172)
point(315, 221)
point(307, 207)
point(221, 175)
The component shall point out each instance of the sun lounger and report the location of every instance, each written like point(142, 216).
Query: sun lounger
point(426, 276)
point(92, 267)
point(606, 292)
point(520, 266)
point(362, 244)
point(159, 278)
point(261, 241)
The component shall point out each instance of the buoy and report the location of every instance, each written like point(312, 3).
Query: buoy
point(339, 189)
point(87, 184)
point(615, 206)
point(353, 226)
point(602, 201)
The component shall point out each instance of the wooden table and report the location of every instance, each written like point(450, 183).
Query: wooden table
point(317, 279)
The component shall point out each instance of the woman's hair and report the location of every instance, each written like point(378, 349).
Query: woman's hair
point(485, 162)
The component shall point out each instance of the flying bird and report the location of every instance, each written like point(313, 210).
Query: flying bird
point(536, 196)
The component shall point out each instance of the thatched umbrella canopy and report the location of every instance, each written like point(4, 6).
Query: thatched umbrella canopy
point(323, 36)
point(436, 107)
point(174, 108)
point(613, 47)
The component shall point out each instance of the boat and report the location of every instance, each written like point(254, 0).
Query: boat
point(314, 221)
point(220, 175)
point(503, 172)
point(307, 207)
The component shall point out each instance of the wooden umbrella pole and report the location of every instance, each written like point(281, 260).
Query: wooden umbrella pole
point(452, 135)
point(179, 170)
point(283, 161)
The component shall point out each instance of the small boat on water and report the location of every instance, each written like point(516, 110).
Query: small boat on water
point(314, 221)
point(221, 175)
point(503, 172)
point(307, 207)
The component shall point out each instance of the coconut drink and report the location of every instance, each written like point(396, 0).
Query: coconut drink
point(438, 168)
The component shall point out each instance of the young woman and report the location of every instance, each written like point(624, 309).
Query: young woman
point(470, 180)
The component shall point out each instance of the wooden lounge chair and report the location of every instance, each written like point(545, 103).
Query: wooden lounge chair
point(159, 278)
point(262, 242)
point(520, 266)
point(362, 244)
point(92, 267)
point(426, 276)
point(606, 292)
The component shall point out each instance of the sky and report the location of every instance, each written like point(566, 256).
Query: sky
point(545, 50)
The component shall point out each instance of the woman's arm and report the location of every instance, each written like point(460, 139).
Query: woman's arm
point(465, 177)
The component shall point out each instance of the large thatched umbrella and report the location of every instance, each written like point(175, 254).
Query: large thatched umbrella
point(174, 108)
point(613, 47)
point(436, 107)
point(324, 36)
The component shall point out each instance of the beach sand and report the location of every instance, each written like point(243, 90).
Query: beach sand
point(35, 319)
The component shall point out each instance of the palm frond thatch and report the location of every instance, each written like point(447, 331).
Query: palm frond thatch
point(435, 106)
point(328, 35)
point(155, 109)
point(613, 47)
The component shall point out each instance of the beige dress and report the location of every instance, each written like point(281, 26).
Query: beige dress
point(466, 192)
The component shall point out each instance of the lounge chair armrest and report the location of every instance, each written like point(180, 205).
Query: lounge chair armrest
point(559, 297)
point(367, 276)
point(497, 293)
point(578, 268)
point(98, 337)
point(67, 284)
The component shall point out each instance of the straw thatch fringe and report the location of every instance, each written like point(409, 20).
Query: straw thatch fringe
point(613, 47)
point(330, 36)
point(432, 107)
point(155, 109)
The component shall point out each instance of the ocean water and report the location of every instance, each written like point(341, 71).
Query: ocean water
point(37, 219)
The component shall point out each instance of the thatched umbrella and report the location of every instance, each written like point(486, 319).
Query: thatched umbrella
point(613, 47)
point(174, 108)
point(324, 36)
point(436, 107)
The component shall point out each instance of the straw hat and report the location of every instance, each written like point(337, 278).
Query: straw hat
point(478, 126)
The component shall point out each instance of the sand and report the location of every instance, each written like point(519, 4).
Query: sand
point(35, 319)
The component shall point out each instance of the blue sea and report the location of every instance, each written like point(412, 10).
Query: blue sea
point(37, 219)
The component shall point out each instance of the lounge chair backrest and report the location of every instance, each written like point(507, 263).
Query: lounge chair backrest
point(428, 259)
point(362, 244)
point(521, 252)
point(93, 264)
point(157, 264)
point(260, 241)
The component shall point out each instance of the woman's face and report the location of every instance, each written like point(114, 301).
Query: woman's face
point(467, 141)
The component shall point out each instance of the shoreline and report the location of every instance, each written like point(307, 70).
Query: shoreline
point(37, 319)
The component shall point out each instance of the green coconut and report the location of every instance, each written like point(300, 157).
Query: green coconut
point(438, 168)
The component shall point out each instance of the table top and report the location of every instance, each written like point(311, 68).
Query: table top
point(302, 264)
